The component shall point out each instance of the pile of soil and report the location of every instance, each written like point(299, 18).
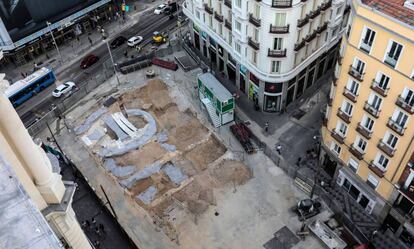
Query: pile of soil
point(144, 156)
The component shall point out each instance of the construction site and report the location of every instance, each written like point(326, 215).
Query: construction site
point(160, 153)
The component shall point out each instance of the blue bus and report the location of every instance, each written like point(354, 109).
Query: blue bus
point(24, 89)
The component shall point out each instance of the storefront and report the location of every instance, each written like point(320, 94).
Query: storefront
point(254, 89)
point(273, 97)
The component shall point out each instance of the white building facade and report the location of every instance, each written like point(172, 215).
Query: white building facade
point(272, 50)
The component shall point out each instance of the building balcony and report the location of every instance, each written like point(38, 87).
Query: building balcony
point(218, 17)
point(279, 29)
point(310, 37)
point(254, 44)
point(350, 95)
point(364, 131)
point(340, 58)
point(386, 148)
point(276, 53)
point(302, 22)
point(227, 3)
point(404, 105)
point(299, 45)
point(376, 87)
point(227, 24)
point(366, 47)
point(282, 3)
point(357, 153)
point(335, 81)
point(376, 170)
point(330, 100)
point(344, 116)
point(355, 73)
point(390, 60)
point(315, 13)
point(322, 28)
point(371, 109)
point(338, 137)
point(396, 127)
point(254, 20)
point(208, 9)
point(326, 5)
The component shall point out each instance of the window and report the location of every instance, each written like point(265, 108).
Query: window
point(400, 118)
point(391, 140)
point(278, 43)
point(254, 57)
point(229, 15)
point(372, 181)
point(381, 161)
point(280, 19)
point(360, 144)
point(256, 12)
point(408, 96)
point(382, 80)
point(237, 47)
point(210, 21)
point(412, 75)
point(367, 123)
point(237, 25)
point(238, 3)
point(230, 37)
point(347, 108)
point(353, 86)
point(275, 67)
point(393, 53)
point(353, 165)
point(336, 148)
point(198, 14)
point(375, 101)
point(359, 66)
point(341, 128)
point(220, 29)
point(368, 36)
point(255, 34)
point(338, 11)
point(219, 9)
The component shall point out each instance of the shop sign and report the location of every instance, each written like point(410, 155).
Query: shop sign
point(204, 35)
point(212, 42)
point(243, 69)
point(253, 90)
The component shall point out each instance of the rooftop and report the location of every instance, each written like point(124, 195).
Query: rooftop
point(393, 8)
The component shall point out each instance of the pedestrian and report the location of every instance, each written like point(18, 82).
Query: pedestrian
point(298, 161)
point(266, 127)
point(126, 53)
point(23, 75)
point(93, 221)
point(97, 244)
point(90, 40)
point(102, 228)
point(97, 231)
point(279, 149)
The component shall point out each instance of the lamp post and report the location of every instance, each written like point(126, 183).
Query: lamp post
point(110, 54)
point(318, 169)
point(54, 41)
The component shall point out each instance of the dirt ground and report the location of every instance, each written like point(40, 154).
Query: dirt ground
point(199, 157)
point(142, 157)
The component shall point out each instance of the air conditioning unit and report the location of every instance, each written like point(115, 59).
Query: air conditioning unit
point(409, 4)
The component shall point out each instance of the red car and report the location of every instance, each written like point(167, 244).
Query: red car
point(88, 61)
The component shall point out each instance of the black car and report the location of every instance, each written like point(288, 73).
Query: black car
point(170, 9)
point(118, 41)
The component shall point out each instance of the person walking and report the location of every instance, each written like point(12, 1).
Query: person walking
point(279, 149)
point(266, 127)
point(90, 40)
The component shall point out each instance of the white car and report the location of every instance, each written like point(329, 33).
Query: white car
point(160, 9)
point(63, 89)
point(135, 40)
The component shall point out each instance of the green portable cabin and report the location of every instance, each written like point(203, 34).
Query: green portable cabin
point(219, 102)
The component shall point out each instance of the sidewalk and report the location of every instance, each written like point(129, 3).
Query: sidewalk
point(75, 50)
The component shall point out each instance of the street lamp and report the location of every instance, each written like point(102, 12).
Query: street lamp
point(54, 41)
point(110, 54)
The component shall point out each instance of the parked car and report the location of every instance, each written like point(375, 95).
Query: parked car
point(135, 40)
point(88, 61)
point(118, 42)
point(160, 9)
point(63, 89)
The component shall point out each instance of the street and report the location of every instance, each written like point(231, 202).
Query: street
point(40, 104)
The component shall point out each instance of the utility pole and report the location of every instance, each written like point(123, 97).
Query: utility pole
point(54, 41)
point(110, 54)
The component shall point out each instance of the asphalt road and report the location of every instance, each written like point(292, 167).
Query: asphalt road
point(40, 104)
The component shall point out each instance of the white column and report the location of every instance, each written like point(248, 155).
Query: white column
point(33, 158)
